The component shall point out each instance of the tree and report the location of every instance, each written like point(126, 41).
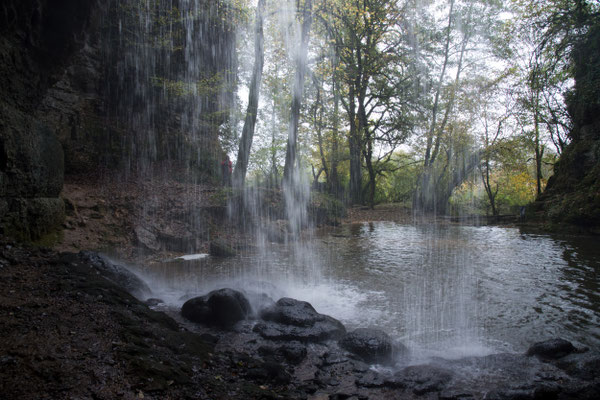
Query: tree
point(367, 38)
point(467, 36)
point(301, 67)
point(241, 166)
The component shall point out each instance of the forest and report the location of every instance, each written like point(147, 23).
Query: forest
point(447, 106)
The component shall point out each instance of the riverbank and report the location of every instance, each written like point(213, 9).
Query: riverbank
point(68, 332)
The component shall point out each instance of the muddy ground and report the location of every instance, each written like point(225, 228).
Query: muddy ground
point(69, 333)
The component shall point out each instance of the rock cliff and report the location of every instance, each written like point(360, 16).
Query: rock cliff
point(91, 85)
point(573, 193)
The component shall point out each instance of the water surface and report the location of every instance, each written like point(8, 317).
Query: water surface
point(446, 291)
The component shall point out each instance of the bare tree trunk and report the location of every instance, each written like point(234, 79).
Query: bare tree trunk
point(539, 151)
point(292, 143)
point(354, 143)
point(423, 198)
point(333, 179)
point(317, 116)
point(241, 166)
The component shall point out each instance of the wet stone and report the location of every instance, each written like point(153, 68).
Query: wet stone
point(421, 378)
point(152, 302)
point(371, 379)
point(551, 349)
point(293, 352)
point(455, 395)
point(116, 273)
point(289, 311)
point(222, 308)
point(218, 248)
point(583, 366)
point(291, 319)
point(269, 372)
point(331, 358)
point(371, 345)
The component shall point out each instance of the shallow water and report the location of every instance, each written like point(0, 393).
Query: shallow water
point(447, 291)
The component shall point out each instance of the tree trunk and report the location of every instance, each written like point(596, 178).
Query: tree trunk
point(292, 143)
point(354, 144)
point(539, 151)
point(241, 165)
point(333, 179)
point(423, 198)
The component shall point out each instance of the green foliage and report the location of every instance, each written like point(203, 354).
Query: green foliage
point(397, 181)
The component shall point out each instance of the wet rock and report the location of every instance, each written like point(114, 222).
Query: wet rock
point(182, 243)
point(116, 273)
point(291, 319)
point(269, 372)
point(551, 349)
point(509, 394)
point(289, 311)
point(320, 331)
point(208, 338)
point(421, 379)
point(219, 248)
point(583, 366)
point(371, 379)
point(222, 308)
point(292, 353)
point(455, 395)
point(371, 345)
point(153, 302)
point(259, 301)
point(334, 357)
point(147, 238)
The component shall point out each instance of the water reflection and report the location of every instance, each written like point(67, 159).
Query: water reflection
point(442, 290)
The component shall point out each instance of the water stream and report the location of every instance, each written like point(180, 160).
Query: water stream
point(447, 291)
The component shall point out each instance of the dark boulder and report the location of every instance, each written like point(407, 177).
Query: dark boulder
point(372, 345)
point(585, 366)
point(153, 302)
point(219, 248)
point(551, 349)
point(291, 319)
point(222, 308)
point(289, 311)
point(319, 332)
point(116, 273)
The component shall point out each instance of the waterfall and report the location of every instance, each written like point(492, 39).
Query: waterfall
point(170, 78)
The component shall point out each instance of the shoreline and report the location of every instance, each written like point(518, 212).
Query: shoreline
point(70, 332)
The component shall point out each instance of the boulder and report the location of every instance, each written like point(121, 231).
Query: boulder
point(289, 311)
point(222, 308)
point(319, 332)
point(372, 345)
point(116, 273)
point(218, 248)
point(147, 238)
point(551, 349)
point(291, 319)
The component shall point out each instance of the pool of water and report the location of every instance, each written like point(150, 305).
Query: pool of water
point(447, 291)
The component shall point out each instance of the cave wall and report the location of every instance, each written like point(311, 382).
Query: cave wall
point(69, 78)
point(37, 41)
point(572, 195)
